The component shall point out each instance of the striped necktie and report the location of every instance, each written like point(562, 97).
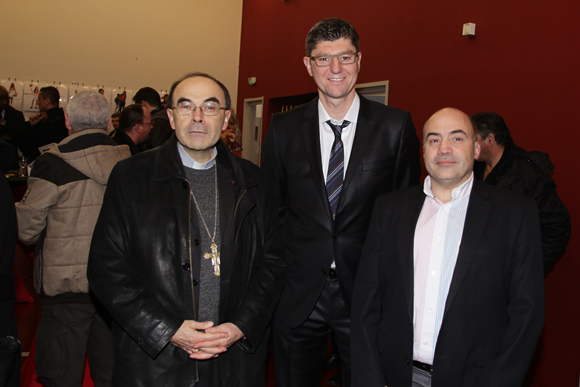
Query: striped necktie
point(335, 175)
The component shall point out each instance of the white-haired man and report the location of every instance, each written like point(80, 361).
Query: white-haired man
point(58, 213)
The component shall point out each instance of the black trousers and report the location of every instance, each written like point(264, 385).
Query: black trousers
point(10, 376)
point(299, 352)
point(65, 333)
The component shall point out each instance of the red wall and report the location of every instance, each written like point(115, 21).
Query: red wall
point(523, 63)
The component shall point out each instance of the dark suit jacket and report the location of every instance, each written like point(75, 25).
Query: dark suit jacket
point(385, 157)
point(494, 311)
point(122, 138)
point(52, 129)
point(13, 122)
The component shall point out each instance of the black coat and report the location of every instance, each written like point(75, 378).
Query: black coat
point(528, 173)
point(51, 129)
point(137, 267)
point(494, 311)
point(384, 157)
point(122, 138)
point(13, 123)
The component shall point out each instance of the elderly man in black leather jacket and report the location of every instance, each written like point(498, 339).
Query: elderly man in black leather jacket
point(146, 267)
point(503, 164)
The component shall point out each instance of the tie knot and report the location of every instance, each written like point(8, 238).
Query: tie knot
point(337, 129)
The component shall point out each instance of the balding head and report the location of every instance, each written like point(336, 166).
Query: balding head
point(449, 114)
point(449, 148)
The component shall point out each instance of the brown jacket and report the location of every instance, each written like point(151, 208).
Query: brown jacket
point(61, 206)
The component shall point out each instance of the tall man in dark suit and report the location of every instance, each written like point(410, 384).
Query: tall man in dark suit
point(450, 288)
point(326, 162)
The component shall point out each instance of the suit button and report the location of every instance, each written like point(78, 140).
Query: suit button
point(334, 235)
point(324, 272)
point(407, 360)
point(185, 266)
point(196, 242)
point(184, 185)
point(194, 282)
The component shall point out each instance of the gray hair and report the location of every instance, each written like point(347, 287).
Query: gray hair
point(88, 110)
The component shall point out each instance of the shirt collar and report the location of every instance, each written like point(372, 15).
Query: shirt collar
point(191, 163)
point(458, 193)
point(351, 115)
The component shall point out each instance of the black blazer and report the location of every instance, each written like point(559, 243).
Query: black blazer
point(385, 157)
point(13, 123)
point(494, 311)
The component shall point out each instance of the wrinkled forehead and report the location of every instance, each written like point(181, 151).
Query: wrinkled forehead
point(199, 89)
point(448, 122)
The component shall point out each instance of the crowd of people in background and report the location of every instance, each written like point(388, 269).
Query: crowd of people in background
point(167, 258)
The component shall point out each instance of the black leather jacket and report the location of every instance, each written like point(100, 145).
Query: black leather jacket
point(139, 267)
point(529, 174)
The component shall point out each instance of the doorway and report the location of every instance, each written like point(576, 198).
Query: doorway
point(252, 129)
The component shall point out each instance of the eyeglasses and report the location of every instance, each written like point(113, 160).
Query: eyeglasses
point(208, 108)
point(326, 60)
point(146, 123)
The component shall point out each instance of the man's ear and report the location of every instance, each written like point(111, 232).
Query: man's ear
point(476, 151)
point(67, 124)
point(491, 139)
point(227, 120)
point(170, 115)
point(308, 64)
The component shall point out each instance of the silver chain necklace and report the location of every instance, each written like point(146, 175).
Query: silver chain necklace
point(214, 255)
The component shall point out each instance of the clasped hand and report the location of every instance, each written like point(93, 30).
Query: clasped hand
point(201, 340)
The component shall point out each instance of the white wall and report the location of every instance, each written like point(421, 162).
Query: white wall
point(126, 43)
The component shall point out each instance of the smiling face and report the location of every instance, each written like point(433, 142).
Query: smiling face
point(449, 148)
point(335, 82)
point(198, 133)
point(115, 122)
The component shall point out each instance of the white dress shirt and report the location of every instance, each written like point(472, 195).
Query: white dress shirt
point(436, 245)
point(327, 135)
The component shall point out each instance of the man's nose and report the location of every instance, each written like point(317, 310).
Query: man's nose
point(335, 65)
point(445, 147)
point(197, 115)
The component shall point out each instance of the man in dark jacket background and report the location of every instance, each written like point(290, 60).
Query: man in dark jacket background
point(186, 256)
point(503, 164)
point(161, 131)
point(11, 120)
point(44, 128)
point(134, 127)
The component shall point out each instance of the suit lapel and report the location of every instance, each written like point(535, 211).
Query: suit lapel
point(475, 221)
point(311, 133)
point(406, 242)
point(364, 127)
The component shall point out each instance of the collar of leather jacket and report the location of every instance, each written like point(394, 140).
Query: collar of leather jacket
point(168, 165)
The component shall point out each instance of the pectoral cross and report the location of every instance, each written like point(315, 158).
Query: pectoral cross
point(215, 258)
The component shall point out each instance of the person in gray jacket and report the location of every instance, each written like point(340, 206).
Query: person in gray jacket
point(58, 213)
